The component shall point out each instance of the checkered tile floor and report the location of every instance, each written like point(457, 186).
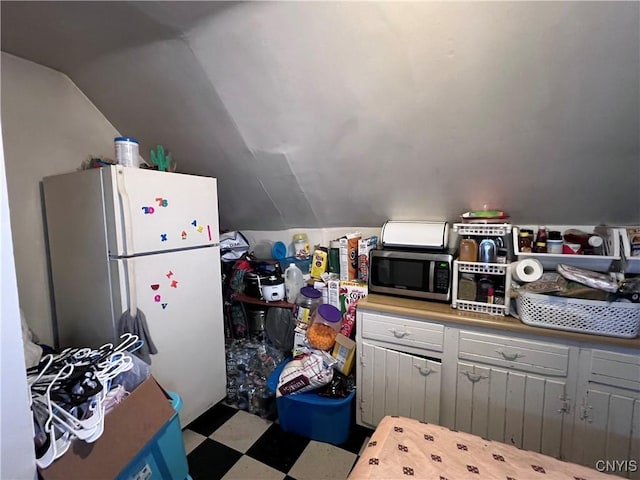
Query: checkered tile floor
point(227, 443)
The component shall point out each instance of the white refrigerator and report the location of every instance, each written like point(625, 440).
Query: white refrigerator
point(120, 235)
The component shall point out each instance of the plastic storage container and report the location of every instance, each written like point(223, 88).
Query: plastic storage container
point(312, 416)
point(293, 282)
point(468, 250)
point(324, 327)
point(598, 263)
point(306, 303)
point(164, 457)
point(127, 151)
point(301, 247)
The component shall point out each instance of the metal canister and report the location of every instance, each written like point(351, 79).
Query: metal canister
point(334, 257)
point(257, 319)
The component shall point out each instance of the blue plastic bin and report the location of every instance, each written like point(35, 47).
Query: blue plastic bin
point(304, 265)
point(164, 457)
point(312, 416)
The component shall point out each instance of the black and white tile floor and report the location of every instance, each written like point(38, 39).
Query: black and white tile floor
point(227, 443)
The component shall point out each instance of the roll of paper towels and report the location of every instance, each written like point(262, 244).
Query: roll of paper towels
point(527, 270)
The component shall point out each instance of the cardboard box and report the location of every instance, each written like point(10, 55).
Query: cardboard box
point(344, 351)
point(365, 245)
point(333, 293)
point(349, 256)
point(350, 293)
point(127, 430)
point(300, 346)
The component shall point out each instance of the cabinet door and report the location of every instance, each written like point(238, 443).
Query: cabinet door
point(610, 419)
point(512, 407)
point(608, 412)
point(395, 383)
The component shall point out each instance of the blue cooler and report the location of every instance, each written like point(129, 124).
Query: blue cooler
point(164, 457)
point(312, 416)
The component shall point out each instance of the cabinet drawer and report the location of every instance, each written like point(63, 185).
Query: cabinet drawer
point(400, 331)
point(525, 355)
point(617, 369)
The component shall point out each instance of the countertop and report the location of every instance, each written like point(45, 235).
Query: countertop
point(444, 312)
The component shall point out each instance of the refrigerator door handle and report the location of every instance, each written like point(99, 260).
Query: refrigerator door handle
point(131, 280)
point(128, 226)
point(126, 211)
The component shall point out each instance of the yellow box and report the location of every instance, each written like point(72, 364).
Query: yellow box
point(318, 264)
point(344, 351)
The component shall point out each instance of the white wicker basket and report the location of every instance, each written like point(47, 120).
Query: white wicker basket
point(618, 319)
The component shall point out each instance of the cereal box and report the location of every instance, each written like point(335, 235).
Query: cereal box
point(333, 293)
point(349, 256)
point(365, 245)
point(350, 293)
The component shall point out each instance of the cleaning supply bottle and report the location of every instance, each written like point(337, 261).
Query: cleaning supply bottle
point(293, 282)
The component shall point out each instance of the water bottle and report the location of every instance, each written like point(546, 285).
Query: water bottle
point(293, 282)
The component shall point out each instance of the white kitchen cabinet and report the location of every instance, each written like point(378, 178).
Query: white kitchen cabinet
point(512, 390)
point(398, 369)
point(396, 383)
point(573, 397)
point(516, 408)
point(608, 411)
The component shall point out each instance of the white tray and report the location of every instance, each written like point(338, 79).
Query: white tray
point(597, 263)
point(482, 229)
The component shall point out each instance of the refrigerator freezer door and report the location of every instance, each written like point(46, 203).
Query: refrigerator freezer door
point(180, 294)
point(158, 211)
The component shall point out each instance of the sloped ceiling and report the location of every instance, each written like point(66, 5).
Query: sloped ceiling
point(320, 114)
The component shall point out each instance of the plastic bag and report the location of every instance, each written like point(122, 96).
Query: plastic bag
point(233, 246)
point(589, 278)
point(306, 373)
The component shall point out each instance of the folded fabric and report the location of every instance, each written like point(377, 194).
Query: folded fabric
point(137, 325)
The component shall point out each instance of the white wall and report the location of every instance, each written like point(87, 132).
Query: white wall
point(17, 458)
point(317, 114)
point(367, 111)
point(263, 240)
point(49, 127)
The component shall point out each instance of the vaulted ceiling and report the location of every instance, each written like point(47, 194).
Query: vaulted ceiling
point(352, 113)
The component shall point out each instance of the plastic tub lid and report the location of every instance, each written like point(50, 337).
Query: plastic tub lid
point(329, 313)
point(126, 139)
point(279, 250)
point(176, 400)
point(310, 292)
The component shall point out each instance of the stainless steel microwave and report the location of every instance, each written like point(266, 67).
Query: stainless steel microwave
point(423, 275)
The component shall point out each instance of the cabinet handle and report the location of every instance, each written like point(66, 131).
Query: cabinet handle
point(510, 356)
point(398, 334)
point(424, 370)
point(565, 406)
point(474, 377)
point(585, 411)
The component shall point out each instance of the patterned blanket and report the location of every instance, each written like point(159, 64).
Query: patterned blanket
point(403, 448)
